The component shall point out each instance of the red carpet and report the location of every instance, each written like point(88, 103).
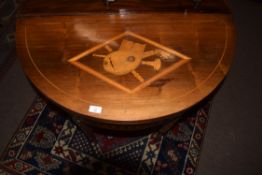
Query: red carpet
point(48, 142)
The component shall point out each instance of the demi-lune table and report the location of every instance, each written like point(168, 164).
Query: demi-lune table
point(125, 62)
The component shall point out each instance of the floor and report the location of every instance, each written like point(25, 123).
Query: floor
point(233, 142)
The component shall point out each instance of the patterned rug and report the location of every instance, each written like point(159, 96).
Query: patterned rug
point(49, 142)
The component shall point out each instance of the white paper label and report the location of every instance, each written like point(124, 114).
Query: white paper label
point(95, 109)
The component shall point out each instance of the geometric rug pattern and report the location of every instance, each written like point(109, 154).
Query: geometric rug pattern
point(49, 142)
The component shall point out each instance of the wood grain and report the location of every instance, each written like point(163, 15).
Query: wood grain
point(47, 44)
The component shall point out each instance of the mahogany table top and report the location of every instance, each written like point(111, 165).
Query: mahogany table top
point(125, 65)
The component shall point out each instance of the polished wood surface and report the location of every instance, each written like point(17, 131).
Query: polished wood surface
point(126, 67)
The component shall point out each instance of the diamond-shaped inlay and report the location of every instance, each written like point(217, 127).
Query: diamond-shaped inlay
point(129, 62)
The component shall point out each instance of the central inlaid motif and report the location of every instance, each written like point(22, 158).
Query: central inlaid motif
point(129, 61)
